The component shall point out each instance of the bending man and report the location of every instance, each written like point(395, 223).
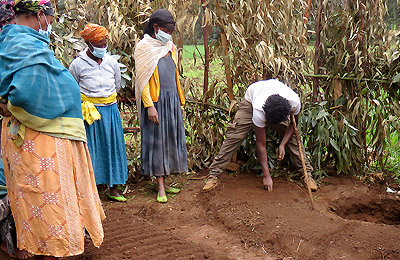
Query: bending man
point(267, 103)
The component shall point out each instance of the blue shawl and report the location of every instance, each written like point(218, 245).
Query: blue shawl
point(41, 93)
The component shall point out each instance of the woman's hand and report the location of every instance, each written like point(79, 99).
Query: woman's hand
point(153, 115)
point(4, 110)
point(183, 113)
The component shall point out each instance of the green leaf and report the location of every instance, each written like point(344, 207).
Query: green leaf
point(126, 76)
point(356, 142)
point(364, 91)
point(321, 114)
point(61, 19)
point(313, 122)
point(334, 144)
point(334, 124)
point(396, 78)
point(339, 101)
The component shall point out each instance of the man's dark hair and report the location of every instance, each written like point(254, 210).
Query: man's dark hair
point(276, 109)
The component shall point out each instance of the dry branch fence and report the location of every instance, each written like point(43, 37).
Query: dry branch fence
point(338, 54)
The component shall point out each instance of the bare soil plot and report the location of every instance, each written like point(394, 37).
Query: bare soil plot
point(240, 220)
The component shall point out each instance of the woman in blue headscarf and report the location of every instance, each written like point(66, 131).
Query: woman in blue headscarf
point(8, 241)
point(49, 174)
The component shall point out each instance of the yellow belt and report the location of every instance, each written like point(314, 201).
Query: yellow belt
point(89, 110)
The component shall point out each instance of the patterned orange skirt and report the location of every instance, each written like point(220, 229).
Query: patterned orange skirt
point(53, 194)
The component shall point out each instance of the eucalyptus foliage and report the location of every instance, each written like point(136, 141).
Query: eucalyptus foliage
point(357, 113)
point(360, 58)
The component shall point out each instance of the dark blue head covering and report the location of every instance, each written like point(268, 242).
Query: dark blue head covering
point(161, 17)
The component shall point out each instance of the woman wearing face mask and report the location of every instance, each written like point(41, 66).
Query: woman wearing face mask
point(160, 102)
point(99, 78)
point(49, 175)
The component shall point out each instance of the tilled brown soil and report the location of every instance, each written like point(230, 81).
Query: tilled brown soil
point(240, 220)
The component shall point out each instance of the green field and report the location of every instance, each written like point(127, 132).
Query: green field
point(193, 66)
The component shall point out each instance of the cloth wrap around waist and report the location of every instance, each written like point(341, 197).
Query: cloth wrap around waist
point(89, 110)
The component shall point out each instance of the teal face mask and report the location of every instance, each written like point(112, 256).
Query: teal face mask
point(98, 52)
point(163, 36)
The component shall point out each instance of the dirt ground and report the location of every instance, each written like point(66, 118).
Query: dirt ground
point(240, 220)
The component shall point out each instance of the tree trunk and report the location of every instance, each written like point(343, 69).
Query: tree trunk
point(307, 13)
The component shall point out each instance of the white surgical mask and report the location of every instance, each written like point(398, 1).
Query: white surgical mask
point(48, 30)
point(163, 36)
point(98, 52)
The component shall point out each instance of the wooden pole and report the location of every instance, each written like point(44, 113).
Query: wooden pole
point(224, 43)
point(296, 130)
point(347, 78)
point(180, 42)
point(362, 32)
point(364, 66)
point(206, 51)
point(316, 53)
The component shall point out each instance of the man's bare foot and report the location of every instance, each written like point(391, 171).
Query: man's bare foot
point(268, 183)
point(19, 254)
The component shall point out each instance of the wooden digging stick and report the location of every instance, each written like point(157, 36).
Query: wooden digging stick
point(302, 161)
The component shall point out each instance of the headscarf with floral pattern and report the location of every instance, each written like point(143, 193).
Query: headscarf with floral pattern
point(25, 6)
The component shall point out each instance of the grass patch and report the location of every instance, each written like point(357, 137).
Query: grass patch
point(193, 51)
point(193, 68)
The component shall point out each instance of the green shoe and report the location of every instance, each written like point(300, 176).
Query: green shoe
point(119, 198)
point(172, 190)
point(162, 199)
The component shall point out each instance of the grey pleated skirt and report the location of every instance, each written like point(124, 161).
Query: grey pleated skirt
point(163, 146)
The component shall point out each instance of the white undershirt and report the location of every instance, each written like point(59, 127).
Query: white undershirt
point(258, 92)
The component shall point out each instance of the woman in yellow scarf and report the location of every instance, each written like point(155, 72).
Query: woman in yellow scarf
point(159, 100)
point(99, 79)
